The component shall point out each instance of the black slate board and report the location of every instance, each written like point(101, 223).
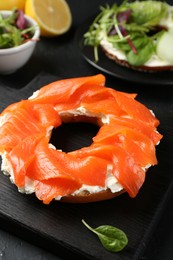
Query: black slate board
point(58, 227)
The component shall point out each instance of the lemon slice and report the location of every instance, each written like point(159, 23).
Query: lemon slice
point(11, 4)
point(53, 16)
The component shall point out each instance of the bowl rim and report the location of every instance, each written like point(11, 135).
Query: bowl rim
point(27, 44)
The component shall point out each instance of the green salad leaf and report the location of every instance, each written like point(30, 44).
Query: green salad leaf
point(12, 31)
point(142, 56)
point(112, 238)
point(148, 13)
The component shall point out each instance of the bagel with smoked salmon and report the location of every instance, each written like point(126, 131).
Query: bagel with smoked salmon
point(117, 160)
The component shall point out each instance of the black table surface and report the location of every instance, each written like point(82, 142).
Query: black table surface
point(60, 56)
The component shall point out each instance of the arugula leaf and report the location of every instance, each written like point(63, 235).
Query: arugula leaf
point(112, 238)
point(5, 41)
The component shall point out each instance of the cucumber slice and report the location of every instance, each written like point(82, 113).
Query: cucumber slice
point(165, 47)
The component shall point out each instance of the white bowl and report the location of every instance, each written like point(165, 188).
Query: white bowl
point(12, 59)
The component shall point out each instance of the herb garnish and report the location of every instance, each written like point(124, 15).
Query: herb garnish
point(14, 30)
point(112, 238)
point(131, 27)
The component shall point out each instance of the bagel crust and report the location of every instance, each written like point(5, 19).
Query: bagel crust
point(87, 197)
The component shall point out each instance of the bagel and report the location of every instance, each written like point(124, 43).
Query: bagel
point(116, 162)
point(136, 35)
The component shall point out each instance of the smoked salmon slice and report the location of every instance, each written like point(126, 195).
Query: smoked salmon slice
point(102, 102)
point(62, 90)
point(55, 188)
point(136, 143)
point(21, 156)
point(25, 120)
point(125, 168)
point(147, 129)
point(62, 165)
point(135, 109)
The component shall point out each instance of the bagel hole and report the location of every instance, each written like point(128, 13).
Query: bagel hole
point(73, 136)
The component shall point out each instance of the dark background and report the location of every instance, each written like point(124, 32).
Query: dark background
point(61, 57)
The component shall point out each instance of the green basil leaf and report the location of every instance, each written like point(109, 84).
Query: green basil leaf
point(112, 238)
